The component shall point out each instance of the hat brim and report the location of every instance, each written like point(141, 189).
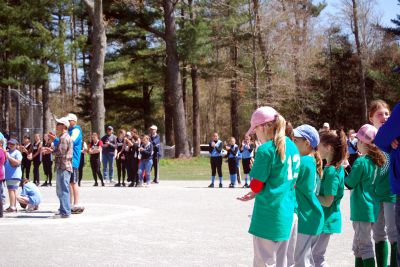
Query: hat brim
point(251, 130)
point(296, 133)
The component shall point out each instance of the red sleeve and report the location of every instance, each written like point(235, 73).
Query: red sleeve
point(100, 143)
point(256, 185)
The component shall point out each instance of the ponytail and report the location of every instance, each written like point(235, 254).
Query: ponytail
point(280, 136)
point(338, 141)
point(376, 155)
point(318, 160)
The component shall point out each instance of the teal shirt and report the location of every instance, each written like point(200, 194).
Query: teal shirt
point(363, 206)
point(274, 205)
point(309, 211)
point(332, 184)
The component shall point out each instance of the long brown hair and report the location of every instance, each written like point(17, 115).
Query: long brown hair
point(318, 160)
point(336, 139)
point(376, 154)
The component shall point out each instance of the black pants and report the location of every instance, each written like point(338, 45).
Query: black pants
point(47, 169)
point(246, 165)
point(155, 167)
point(26, 168)
point(36, 175)
point(81, 165)
point(121, 169)
point(95, 165)
point(216, 166)
point(132, 166)
point(232, 164)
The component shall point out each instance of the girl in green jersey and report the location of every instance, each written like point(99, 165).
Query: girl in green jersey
point(385, 227)
point(363, 207)
point(333, 148)
point(309, 210)
point(274, 172)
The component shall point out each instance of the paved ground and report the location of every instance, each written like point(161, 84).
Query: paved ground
point(175, 223)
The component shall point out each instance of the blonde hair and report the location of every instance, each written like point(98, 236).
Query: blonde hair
point(376, 155)
point(280, 136)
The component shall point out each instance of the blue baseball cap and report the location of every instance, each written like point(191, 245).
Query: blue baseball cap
point(309, 133)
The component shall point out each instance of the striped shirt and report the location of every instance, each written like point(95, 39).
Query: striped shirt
point(64, 152)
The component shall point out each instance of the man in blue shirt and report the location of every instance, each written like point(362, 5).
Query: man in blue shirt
point(156, 142)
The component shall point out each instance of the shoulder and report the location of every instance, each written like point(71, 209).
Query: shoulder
point(266, 148)
point(307, 160)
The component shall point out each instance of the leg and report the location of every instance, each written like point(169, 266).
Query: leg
point(148, 165)
point(390, 222)
point(213, 164)
point(155, 165)
point(13, 198)
point(99, 172)
point(303, 253)
point(398, 227)
point(119, 170)
point(111, 166)
point(291, 248)
point(93, 166)
point(123, 163)
point(140, 171)
point(50, 172)
point(219, 168)
point(63, 179)
point(36, 173)
point(105, 165)
point(320, 250)
point(81, 165)
point(380, 238)
point(264, 252)
point(28, 169)
point(1, 199)
point(75, 188)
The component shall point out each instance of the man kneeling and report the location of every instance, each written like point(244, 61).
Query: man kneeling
point(30, 196)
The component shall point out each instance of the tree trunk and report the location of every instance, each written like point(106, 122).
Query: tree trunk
point(146, 106)
point(253, 22)
point(173, 81)
point(196, 112)
point(168, 116)
point(46, 109)
point(74, 76)
point(184, 87)
point(63, 84)
point(361, 70)
point(234, 93)
point(99, 43)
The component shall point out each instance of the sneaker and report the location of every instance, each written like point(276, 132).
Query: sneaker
point(96, 184)
point(31, 208)
point(77, 210)
point(60, 216)
point(102, 184)
point(246, 186)
point(123, 184)
point(50, 184)
point(45, 184)
point(154, 182)
point(220, 185)
point(211, 185)
point(9, 210)
point(131, 184)
point(112, 181)
point(139, 185)
point(117, 185)
point(231, 186)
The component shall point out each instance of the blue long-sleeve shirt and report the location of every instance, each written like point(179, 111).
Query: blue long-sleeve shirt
point(233, 151)
point(215, 151)
point(156, 142)
point(388, 132)
point(147, 153)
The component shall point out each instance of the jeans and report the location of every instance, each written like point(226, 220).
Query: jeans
point(145, 165)
point(108, 166)
point(63, 177)
point(398, 227)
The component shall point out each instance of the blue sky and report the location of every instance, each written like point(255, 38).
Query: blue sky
point(388, 8)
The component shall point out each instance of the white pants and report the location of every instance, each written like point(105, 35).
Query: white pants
point(268, 253)
point(320, 250)
point(385, 227)
point(362, 242)
point(304, 250)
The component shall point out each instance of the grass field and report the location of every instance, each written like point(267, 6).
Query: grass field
point(170, 169)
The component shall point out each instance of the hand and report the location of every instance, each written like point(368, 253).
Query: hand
point(213, 144)
point(247, 197)
point(141, 149)
point(51, 136)
point(228, 147)
point(395, 144)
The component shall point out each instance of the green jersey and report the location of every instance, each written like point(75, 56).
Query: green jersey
point(363, 207)
point(274, 205)
point(309, 211)
point(332, 184)
point(381, 186)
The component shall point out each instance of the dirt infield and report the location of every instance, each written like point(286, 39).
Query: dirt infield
point(174, 223)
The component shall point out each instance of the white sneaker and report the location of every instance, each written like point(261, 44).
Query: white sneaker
point(30, 208)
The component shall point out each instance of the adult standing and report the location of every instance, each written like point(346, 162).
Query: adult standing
point(156, 142)
point(108, 154)
point(75, 131)
point(63, 153)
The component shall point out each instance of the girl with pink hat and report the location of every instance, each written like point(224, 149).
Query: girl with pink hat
point(274, 172)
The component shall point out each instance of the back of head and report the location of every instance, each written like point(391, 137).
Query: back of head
point(338, 141)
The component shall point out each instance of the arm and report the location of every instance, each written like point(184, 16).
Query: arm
point(38, 152)
point(15, 162)
point(219, 147)
point(389, 131)
point(326, 201)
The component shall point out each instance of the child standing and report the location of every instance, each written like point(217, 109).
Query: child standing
point(363, 207)
point(13, 173)
point(26, 150)
point(36, 158)
point(95, 148)
point(232, 150)
point(385, 226)
point(247, 154)
point(146, 160)
point(309, 210)
point(47, 159)
point(30, 196)
point(275, 170)
point(333, 149)
point(215, 148)
point(120, 158)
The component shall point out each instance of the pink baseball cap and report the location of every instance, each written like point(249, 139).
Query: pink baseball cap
point(260, 116)
point(367, 133)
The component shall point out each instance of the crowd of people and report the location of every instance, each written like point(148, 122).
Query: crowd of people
point(135, 158)
point(298, 178)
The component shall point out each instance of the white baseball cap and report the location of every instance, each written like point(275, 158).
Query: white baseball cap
point(72, 117)
point(64, 121)
point(153, 127)
point(325, 125)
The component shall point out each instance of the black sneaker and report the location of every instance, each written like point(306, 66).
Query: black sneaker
point(246, 186)
point(131, 184)
point(96, 184)
point(231, 186)
point(117, 184)
point(211, 185)
point(154, 182)
point(220, 185)
point(123, 184)
point(102, 184)
point(50, 184)
point(45, 184)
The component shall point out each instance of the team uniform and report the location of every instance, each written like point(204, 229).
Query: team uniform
point(36, 162)
point(363, 208)
point(309, 211)
point(26, 163)
point(232, 163)
point(146, 162)
point(132, 163)
point(247, 152)
point(47, 160)
point(274, 220)
point(95, 162)
point(216, 161)
point(332, 184)
point(121, 162)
